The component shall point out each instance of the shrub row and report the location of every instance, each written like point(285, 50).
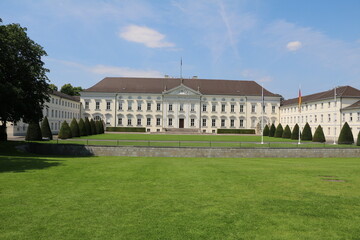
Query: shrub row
point(126, 129)
point(83, 128)
point(35, 133)
point(236, 131)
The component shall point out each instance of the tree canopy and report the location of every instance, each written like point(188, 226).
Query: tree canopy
point(24, 87)
point(70, 90)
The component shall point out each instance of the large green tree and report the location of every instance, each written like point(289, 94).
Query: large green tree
point(70, 90)
point(24, 87)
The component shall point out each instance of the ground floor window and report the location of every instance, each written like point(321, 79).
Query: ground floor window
point(158, 121)
point(170, 121)
point(241, 122)
point(222, 122)
point(129, 122)
point(139, 121)
point(204, 122)
point(148, 121)
point(213, 122)
point(232, 123)
point(119, 121)
point(192, 122)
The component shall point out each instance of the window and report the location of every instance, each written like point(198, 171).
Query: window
point(315, 106)
point(158, 107)
point(52, 125)
point(148, 121)
point(108, 105)
point(129, 121)
point(204, 122)
point(222, 107)
point(213, 122)
point(87, 105)
point(315, 118)
point(204, 107)
point(158, 122)
point(170, 108)
point(241, 122)
point(192, 108)
point(192, 122)
point(232, 123)
point(232, 108)
point(273, 109)
point(213, 108)
point(97, 105)
point(329, 118)
point(52, 112)
point(52, 101)
point(222, 122)
point(148, 106)
point(181, 107)
point(139, 121)
point(241, 108)
point(170, 121)
point(322, 105)
point(129, 106)
point(97, 118)
point(343, 117)
point(322, 118)
point(56, 113)
point(139, 107)
point(253, 108)
point(351, 118)
point(329, 104)
point(120, 106)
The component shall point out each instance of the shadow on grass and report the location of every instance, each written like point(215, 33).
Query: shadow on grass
point(22, 164)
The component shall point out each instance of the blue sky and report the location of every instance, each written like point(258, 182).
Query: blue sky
point(279, 43)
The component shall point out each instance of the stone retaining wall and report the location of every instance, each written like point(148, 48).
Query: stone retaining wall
point(81, 150)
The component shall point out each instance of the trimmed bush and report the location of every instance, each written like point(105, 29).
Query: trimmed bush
point(98, 127)
point(87, 126)
point(287, 132)
point(33, 132)
point(126, 129)
point(295, 132)
point(346, 136)
point(45, 129)
point(279, 131)
point(92, 127)
point(358, 140)
point(272, 130)
point(266, 130)
point(74, 126)
point(102, 126)
point(306, 134)
point(236, 131)
point(82, 129)
point(319, 135)
point(65, 131)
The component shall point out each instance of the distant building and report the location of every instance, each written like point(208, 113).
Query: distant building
point(330, 109)
point(166, 104)
point(61, 107)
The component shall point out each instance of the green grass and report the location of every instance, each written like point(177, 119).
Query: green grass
point(54, 197)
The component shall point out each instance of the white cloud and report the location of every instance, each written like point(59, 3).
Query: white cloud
point(147, 36)
point(256, 75)
point(294, 46)
point(124, 71)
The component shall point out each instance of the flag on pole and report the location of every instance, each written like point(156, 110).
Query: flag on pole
point(300, 100)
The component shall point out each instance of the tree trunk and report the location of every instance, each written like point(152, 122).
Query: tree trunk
point(3, 134)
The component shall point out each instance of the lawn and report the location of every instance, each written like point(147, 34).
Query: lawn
point(53, 197)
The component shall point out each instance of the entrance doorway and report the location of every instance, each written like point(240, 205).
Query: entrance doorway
point(181, 123)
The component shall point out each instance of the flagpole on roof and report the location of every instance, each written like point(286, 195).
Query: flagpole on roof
point(181, 67)
point(262, 114)
point(300, 102)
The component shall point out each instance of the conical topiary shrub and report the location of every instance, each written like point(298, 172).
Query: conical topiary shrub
point(87, 126)
point(279, 131)
point(272, 130)
point(287, 132)
point(319, 135)
point(82, 129)
point(92, 127)
point(346, 136)
point(33, 132)
point(295, 132)
point(74, 126)
point(98, 127)
point(45, 129)
point(65, 131)
point(358, 140)
point(266, 130)
point(102, 126)
point(306, 134)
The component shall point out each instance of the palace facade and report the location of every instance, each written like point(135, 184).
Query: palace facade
point(165, 104)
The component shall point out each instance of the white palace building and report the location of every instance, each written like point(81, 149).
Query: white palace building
point(200, 105)
point(165, 104)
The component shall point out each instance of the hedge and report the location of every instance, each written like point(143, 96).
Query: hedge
point(74, 126)
point(266, 130)
point(272, 130)
point(45, 129)
point(125, 129)
point(92, 127)
point(33, 132)
point(65, 131)
point(82, 129)
point(236, 131)
point(306, 134)
point(286, 132)
point(87, 126)
point(279, 131)
point(319, 135)
point(346, 136)
point(98, 127)
point(295, 132)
